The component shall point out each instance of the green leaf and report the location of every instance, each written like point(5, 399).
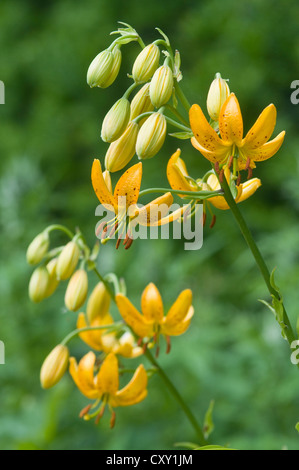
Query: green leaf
point(208, 425)
point(187, 445)
point(214, 447)
point(297, 427)
point(182, 135)
point(233, 188)
point(164, 36)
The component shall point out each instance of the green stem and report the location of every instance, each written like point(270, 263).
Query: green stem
point(182, 97)
point(62, 228)
point(257, 256)
point(77, 332)
point(177, 114)
point(179, 399)
point(130, 89)
point(106, 283)
point(177, 124)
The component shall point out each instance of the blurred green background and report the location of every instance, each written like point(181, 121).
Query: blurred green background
point(49, 134)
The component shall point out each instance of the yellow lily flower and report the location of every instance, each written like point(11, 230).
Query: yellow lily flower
point(100, 340)
point(104, 386)
point(253, 148)
point(124, 203)
point(178, 178)
point(152, 322)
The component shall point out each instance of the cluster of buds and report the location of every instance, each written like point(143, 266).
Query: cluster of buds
point(136, 126)
point(57, 265)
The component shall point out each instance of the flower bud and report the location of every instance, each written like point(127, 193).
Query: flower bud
point(99, 71)
point(122, 150)
point(161, 86)
point(98, 303)
point(116, 120)
point(53, 281)
point(54, 366)
point(141, 103)
point(38, 284)
point(218, 93)
point(151, 136)
point(76, 291)
point(67, 261)
point(115, 67)
point(38, 248)
point(146, 63)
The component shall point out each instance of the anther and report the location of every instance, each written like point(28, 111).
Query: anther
point(129, 243)
point(221, 174)
point(84, 411)
point(168, 348)
point(249, 173)
point(239, 179)
point(112, 420)
point(217, 167)
point(100, 415)
point(230, 161)
point(118, 243)
point(204, 218)
point(247, 163)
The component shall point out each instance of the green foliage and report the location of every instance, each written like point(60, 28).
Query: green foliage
point(49, 135)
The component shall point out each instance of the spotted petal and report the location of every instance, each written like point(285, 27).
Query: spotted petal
point(262, 129)
point(83, 376)
point(133, 318)
point(177, 174)
point(230, 121)
point(134, 392)
point(99, 185)
point(128, 186)
point(107, 378)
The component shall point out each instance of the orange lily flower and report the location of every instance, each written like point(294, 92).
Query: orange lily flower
point(253, 148)
point(124, 202)
point(100, 340)
point(104, 387)
point(152, 322)
point(178, 178)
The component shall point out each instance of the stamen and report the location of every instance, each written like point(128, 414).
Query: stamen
point(100, 415)
point(204, 218)
point(217, 167)
point(112, 231)
point(157, 351)
point(144, 348)
point(249, 176)
point(230, 161)
point(213, 221)
point(221, 174)
point(84, 411)
point(239, 179)
point(139, 342)
point(168, 342)
point(118, 243)
point(247, 163)
point(105, 228)
point(100, 228)
point(129, 243)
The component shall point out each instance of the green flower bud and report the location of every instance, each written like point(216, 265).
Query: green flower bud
point(122, 150)
point(99, 71)
point(38, 284)
point(151, 136)
point(115, 67)
point(53, 281)
point(76, 291)
point(54, 367)
point(38, 248)
point(161, 86)
point(217, 95)
point(146, 63)
point(67, 261)
point(141, 103)
point(116, 120)
point(98, 303)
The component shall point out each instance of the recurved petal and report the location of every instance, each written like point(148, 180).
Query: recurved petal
point(107, 378)
point(262, 129)
point(231, 121)
point(177, 173)
point(132, 317)
point(100, 188)
point(179, 309)
point(175, 215)
point(267, 150)
point(96, 339)
point(83, 376)
point(128, 186)
point(180, 328)
point(134, 392)
point(152, 304)
point(205, 135)
point(218, 155)
point(249, 188)
point(154, 211)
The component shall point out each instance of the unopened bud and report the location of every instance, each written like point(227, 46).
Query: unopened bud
point(161, 86)
point(98, 303)
point(76, 291)
point(115, 67)
point(38, 284)
point(151, 136)
point(53, 281)
point(67, 261)
point(122, 150)
point(146, 63)
point(141, 103)
point(38, 248)
point(218, 93)
point(54, 366)
point(100, 69)
point(116, 120)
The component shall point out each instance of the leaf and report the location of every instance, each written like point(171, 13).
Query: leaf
point(233, 188)
point(208, 425)
point(164, 36)
point(214, 447)
point(187, 445)
point(297, 427)
point(182, 135)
